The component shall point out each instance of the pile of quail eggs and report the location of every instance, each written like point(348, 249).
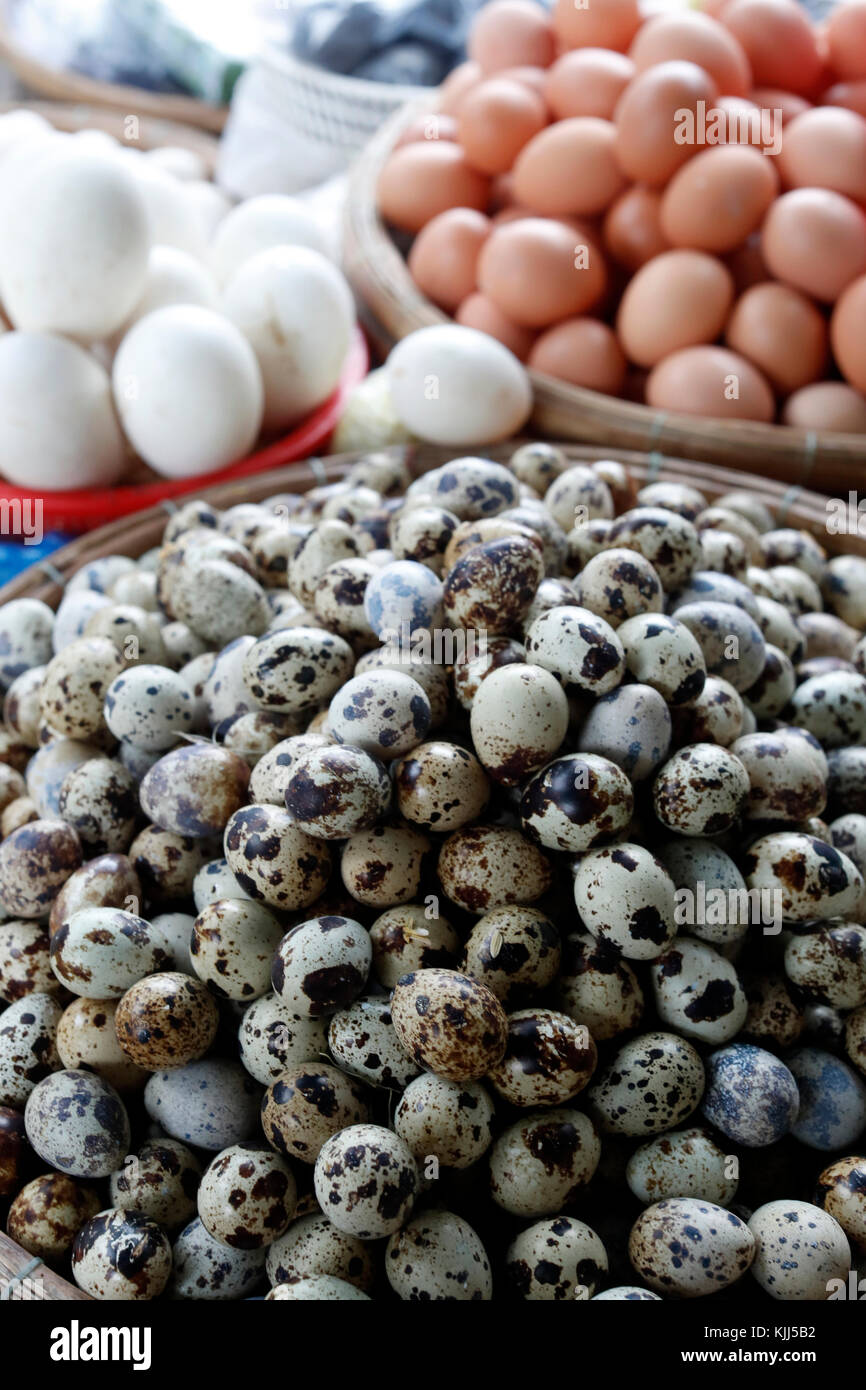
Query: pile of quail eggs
point(360, 879)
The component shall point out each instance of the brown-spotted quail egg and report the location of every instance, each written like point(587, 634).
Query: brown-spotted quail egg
point(160, 1181)
point(698, 992)
point(471, 487)
point(167, 863)
point(449, 1121)
point(449, 1023)
point(422, 534)
point(213, 882)
point(99, 800)
point(297, 668)
point(693, 862)
point(46, 1215)
point(775, 685)
point(120, 1255)
point(725, 552)
point(87, 1041)
point(194, 790)
point(688, 1247)
point(555, 1260)
point(583, 541)
point(247, 1196)
point(409, 938)
point(731, 641)
point(483, 866)
point(663, 653)
point(100, 952)
point(327, 543)
point(217, 599)
point(515, 951)
point(271, 773)
point(25, 961)
point(538, 464)
point(21, 811)
point(255, 733)
point(826, 636)
point(224, 690)
point(308, 1104)
point(618, 584)
point(833, 708)
point(830, 964)
point(719, 518)
point(273, 1039)
point(841, 1192)
point(317, 1288)
point(25, 637)
point(668, 541)
point(540, 1165)
point(470, 534)
point(800, 1251)
point(205, 1269)
point(684, 1163)
point(366, 1180)
point(808, 878)
point(364, 1044)
point(548, 1059)
point(109, 880)
point(785, 782)
point(674, 497)
point(386, 713)
point(75, 686)
point(210, 1104)
point(578, 647)
point(49, 767)
point(630, 727)
point(625, 897)
point(333, 792)
point(313, 1246)
point(12, 786)
point(780, 628)
point(489, 590)
point(541, 528)
point(429, 667)
point(519, 718)
point(551, 593)
point(718, 715)
point(844, 588)
point(166, 1020)
point(775, 1018)
point(273, 860)
point(321, 965)
point(134, 632)
point(77, 1122)
point(576, 801)
point(149, 706)
point(339, 600)
point(382, 867)
point(232, 946)
point(653, 1083)
point(473, 665)
point(438, 1257)
point(578, 493)
point(440, 786)
point(701, 790)
point(35, 862)
point(28, 1047)
point(597, 988)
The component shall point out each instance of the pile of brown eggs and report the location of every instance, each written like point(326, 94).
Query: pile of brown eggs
point(668, 208)
point(447, 888)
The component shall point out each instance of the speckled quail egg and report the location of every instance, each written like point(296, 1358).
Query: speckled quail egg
point(273, 860)
point(224, 691)
point(99, 800)
point(554, 1260)
point(321, 965)
point(12, 786)
point(576, 801)
point(548, 1059)
point(698, 992)
point(809, 878)
point(751, 1096)
point(440, 786)
point(382, 867)
point(618, 584)
point(75, 685)
point(826, 636)
point(725, 552)
point(518, 720)
point(630, 727)
point(363, 1043)
point(160, 1181)
point(195, 789)
point(470, 487)
point(540, 1165)
point(855, 1038)
point(833, 708)
point(46, 1215)
point(701, 790)
point(49, 767)
point(438, 1257)
point(551, 593)
point(780, 628)
point(28, 1048)
point(586, 539)
point(255, 733)
point(213, 882)
point(121, 1255)
point(25, 637)
point(785, 781)
point(844, 588)
point(247, 1196)
point(598, 988)
point(14, 1150)
point(731, 641)
point(578, 493)
point(653, 1083)
point(473, 665)
point(35, 862)
point(166, 863)
point(695, 861)
point(423, 665)
point(689, 1247)
point(25, 961)
point(339, 600)
point(538, 464)
point(313, 1246)
point(841, 1192)
point(333, 792)
point(87, 1041)
point(626, 1293)
point(307, 1104)
point(684, 1163)
point(166, 1020)
point(318, 1288)
point(668, 541)
point(232, 947)
point(149, 706)
point(210, 1104)
point(775, 1018)
point(77, 1122)
point(386, 713)
point(100, 952)
point(578, 647)
point(661, 652)
point(422, 534)
point(366, 1180)
point(625, 897)
point(273, 1039)
point(329, 541)
point(205, 1269)
point(832, 1113)
point(411, 938)
point(297, 668)
point(449, 1023)
point(799, 1251)
point(271, 773)
point(772, 691)
point(490, 588)
point(449, 1121)
point(134, 632)
point(403, 597)
point(515, 951)
point(829, 964)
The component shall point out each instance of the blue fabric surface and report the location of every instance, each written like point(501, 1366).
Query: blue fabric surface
point(404, 41)
point(15, 556)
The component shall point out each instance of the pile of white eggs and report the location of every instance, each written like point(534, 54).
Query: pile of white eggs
point(145, 316)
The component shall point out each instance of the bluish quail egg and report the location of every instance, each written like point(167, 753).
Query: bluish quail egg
point(539, 1165)
point(731, 641)
point(77, 1122)
point(401, 598)
point(490, 588)
point(101, 574)
point(618, 584)
point(149, 706)
point(321, 965)
point(160, 1181)
point(687, 1247)
point(631, 727)
point(313, 1246)
point(232, 947)
point(120, 1255)
point(800, 1251)
point(273, 860)
point(366, 1180)
point(469, 487)
point(808, 878)
point(597, 987)
point(695, 861)
point(246, 1197)
point(318, 1288)
point(385, 713)
point(661, 652)
point(449, 1121)
point(74, 611)
point(35, 862)
point(575, 802)
point(518, 719)
point(205, 1269)
point(438, 1257)
point(554, 1260)
point(333, 792)
point(833, 708)
point(486, 866)
point(297, 668)
point(841, 1192)
point(751, 1096)
point(684, 1163)
point(579, 648)
point(548, 1059)
point(698, 992)
point(701, 790)
point(625, 897)
point(309, 1103)
point(48, 1212)
point(651, 1084)
point(28, 1046)
point(210, 1104)
point(213, 882)
point(49, 767)
point(515, 951)
point(100, 952)
point(195, 789)
point(832, 1113)
point(75, 684)
point(25, 637)
point(363, 1043)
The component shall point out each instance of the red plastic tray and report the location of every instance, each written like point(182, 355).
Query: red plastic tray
point(84, 509)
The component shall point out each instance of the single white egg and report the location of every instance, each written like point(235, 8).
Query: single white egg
point(171, 221)
point(73, 245)
point(296, 309)
point(180, 163)
point(16, 126)
point(173, 277)
point(58, 427)
point(188, 390)
point(257, 225)
point(209, 205)
point(454, 385)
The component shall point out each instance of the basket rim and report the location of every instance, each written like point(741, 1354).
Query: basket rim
point(337, 83)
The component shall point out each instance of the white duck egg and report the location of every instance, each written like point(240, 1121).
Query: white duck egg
point(453, 385)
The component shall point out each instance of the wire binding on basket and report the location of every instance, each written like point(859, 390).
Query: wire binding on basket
point(16, 1279)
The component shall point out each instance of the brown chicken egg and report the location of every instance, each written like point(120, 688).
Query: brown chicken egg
point(507, 33)
point(782, 332)
point(426, 178)
point(539, 271)
point(847, 335)
point(497, 118)
point(587, 82)
point(570, 168)
point(779, 42)
point(845, 36)
point(716, 200)
point(815, 240)
point(851, 95)
point(458, 82)
point(696, 38)
point(710, 381)
point(678, 299)
point(444, 255)
point(655, 118)
point(826, 405)
point(602, 24)
point(436, 126)
point(825, 148)
point(583, 351)
point(478, 311)
point(632, 231)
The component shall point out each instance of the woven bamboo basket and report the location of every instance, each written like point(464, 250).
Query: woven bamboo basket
point(153, 132)
point(132, 536)
point(393, 306)
point(22, 1278)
